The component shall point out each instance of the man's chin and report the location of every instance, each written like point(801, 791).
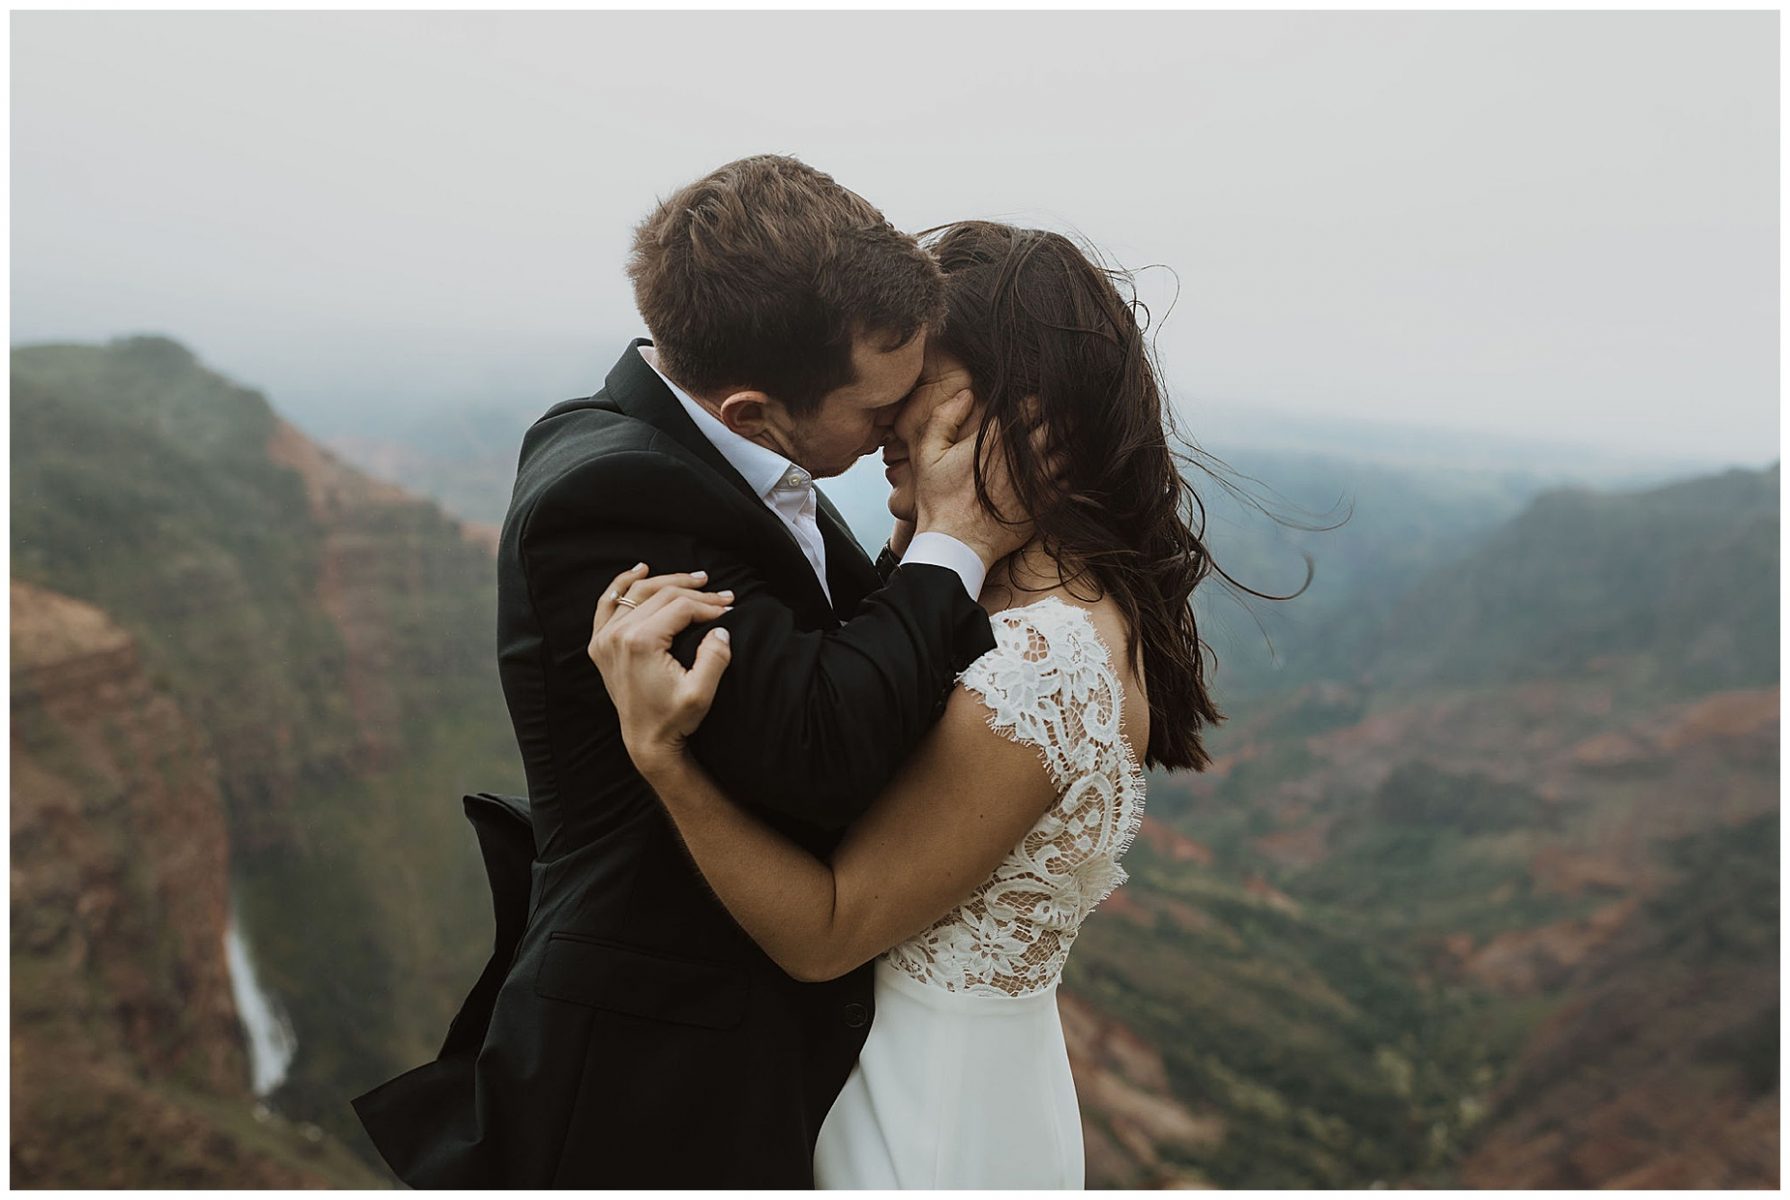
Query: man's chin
point(831, 470)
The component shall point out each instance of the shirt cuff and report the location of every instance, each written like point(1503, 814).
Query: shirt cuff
point(943, 550)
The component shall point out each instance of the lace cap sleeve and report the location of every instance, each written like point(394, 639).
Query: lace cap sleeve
point(1049, 683)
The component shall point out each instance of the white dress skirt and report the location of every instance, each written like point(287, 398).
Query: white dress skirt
point(955, 1090)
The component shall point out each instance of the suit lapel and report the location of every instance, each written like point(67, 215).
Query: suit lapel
point(637, 391)
point(850, 574)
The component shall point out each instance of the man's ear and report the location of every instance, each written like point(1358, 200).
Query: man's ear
point(745, 413)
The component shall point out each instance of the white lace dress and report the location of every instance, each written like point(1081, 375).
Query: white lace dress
point(964, 1080)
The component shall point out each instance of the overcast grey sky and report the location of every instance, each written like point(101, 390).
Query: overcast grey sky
point(1555, 224)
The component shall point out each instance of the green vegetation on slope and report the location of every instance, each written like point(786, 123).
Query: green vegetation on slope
point(1683, 576)
point(142, 483)
point(1324, 1029)
point(1330, 1059)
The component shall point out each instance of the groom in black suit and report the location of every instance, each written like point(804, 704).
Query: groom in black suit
point(627, 1033)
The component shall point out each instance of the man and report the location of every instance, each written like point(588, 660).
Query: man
point(628, 1033)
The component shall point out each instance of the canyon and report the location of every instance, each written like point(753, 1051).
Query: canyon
point(1439, 914)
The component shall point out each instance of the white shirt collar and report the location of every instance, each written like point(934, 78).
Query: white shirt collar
point(761, 467)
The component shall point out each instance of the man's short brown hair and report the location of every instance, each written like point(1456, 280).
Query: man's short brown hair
point(760, 274)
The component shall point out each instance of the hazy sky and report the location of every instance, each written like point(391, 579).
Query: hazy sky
point(1555, 224)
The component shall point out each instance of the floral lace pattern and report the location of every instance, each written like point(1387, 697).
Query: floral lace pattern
point(1049, 683)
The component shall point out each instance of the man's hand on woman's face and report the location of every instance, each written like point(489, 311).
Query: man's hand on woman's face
point(941, 378)
point(945, 499)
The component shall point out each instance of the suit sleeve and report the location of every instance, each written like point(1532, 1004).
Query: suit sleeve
point(811, 724)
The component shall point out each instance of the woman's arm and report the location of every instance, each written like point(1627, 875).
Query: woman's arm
point(958, 806)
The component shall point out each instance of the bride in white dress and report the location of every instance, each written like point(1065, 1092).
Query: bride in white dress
point(964, 1080)
point(969, 877)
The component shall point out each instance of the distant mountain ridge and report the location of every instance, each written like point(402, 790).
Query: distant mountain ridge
point(1684, 575)
point(459, 446)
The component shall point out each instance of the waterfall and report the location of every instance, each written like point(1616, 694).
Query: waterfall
point(267, 1028)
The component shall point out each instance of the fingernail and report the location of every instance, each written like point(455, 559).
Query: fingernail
point(723, 635)
point(726, 594)
point(638, 567)
point(699, 574)
point(728, 609)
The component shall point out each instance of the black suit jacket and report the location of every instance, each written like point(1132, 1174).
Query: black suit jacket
point(627, 1033)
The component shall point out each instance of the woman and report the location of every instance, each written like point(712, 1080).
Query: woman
point(969, 877)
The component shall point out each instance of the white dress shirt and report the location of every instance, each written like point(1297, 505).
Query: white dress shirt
point(788, 491)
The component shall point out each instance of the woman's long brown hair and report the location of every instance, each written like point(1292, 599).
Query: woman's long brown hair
point(1031, 315)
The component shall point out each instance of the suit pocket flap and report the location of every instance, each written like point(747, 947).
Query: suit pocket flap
point(641, 983)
